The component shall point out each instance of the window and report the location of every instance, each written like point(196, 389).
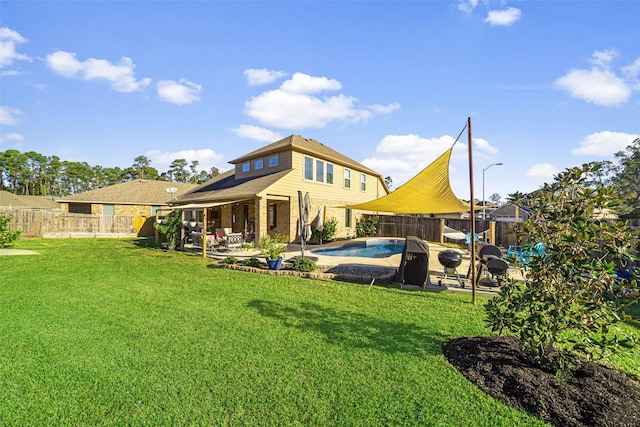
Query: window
point(108, 210)
point(154, 209)
point(329, 179)
point(258, 164)
point(308, 168)
point(319, 171)
point(273, 160)
point(246, 167)
point(347, 218)
point(363, 182)
point(273, 216)
point(347, 178)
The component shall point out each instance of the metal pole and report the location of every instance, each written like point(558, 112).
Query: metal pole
point(484, 202)
point(472, 240)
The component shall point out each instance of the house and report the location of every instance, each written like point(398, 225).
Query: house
point(507, 213)
point(139, 198)
point(14, 201)
point(259, 195)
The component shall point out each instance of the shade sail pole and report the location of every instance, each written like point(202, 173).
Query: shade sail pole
point(472, 239)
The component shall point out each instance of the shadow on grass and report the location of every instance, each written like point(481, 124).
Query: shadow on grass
point(353, 330)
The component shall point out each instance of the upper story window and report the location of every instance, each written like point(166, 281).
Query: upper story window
point(308, 168)
point(329, 179)
point(258, 164)
point(273, 160)
point(246, 167)
point(347, 178)
point(363, 182)
point(319, 171)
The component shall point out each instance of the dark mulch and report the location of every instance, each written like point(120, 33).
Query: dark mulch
point(595, 395)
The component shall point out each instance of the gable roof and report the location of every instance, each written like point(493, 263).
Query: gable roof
point(134, 192)
point(306, 146)
point(227, 187)
point(8, 199)
point(508, 210)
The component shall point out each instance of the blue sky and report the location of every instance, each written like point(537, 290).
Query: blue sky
point(548, 84)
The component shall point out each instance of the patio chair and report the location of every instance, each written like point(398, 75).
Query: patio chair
point(228, 239)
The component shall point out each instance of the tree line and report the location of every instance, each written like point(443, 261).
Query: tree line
point(35, 174)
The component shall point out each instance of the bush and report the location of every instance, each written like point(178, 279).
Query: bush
point(229, 260)
point(328, 231)
point(367, 226)
point(7, 237)
point(304, 264)
point(251, 262)
point(171, 226)
point(571, 298)
point(272, 247)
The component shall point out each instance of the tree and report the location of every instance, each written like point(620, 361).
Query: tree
point(388, 181)
point(178, 170)
point(495, 199)
point(627, 180)
point(571, 298)
point(140, 166)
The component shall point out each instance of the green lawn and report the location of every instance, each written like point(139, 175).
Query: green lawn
point(112, 332)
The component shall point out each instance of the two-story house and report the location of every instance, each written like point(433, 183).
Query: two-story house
point(260, 194)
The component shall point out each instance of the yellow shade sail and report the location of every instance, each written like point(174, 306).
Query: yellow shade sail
point(429, 192)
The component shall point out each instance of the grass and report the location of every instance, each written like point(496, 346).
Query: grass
point(115, 332)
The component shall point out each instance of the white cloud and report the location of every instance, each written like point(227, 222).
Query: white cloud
point(403, 156)
point(120, 76)
point(292, 105)
point(384, 109)
point(604, 144)
point(180, 93)
point(467, 6)
point(599, 85)
point(304, 83)
point(8, 116)
point(8, 54)
point(257, 133)
point(206, 158)
point(544, 171)
point(257, 77)
point(503, 17)
point(11, 137)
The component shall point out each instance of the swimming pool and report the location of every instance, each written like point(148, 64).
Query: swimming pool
point(375, 248)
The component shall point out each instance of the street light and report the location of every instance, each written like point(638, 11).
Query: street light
point(484, 203)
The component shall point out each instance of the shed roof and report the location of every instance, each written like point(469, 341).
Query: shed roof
point(134, 192)
point(8, 199)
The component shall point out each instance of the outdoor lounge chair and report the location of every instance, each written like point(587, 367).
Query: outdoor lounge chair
point(230, 240)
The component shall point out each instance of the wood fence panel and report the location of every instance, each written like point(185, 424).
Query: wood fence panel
point(41, 223)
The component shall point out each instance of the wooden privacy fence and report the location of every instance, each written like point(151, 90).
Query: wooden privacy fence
point(42, 223)
point(429, 228)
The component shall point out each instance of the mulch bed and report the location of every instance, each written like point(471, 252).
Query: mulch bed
point(595, 395)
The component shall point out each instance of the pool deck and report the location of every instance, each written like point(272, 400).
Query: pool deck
point(383, 268)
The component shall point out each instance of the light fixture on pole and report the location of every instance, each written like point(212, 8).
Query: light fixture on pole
point(484, 203)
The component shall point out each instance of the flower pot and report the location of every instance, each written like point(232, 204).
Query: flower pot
point(274, 264)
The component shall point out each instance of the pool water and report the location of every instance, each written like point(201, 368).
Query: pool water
point(368, 249)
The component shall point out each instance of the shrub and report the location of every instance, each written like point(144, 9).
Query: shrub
point(328, 231)
point(367, 226)
point(7, 237)
point(272, 247)
point(304, 264)
point(570, 300)
point(170, 226)
point(251, 262)
point(229, 260)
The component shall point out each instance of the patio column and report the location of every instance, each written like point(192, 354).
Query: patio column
point(261, 217)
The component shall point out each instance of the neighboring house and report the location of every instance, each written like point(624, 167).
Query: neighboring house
point(260, 194)
point(137, 197)
point(507, 213)
point(13, 201)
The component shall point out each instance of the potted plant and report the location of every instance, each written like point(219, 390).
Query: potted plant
point(170, 227)
point(272, 247)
